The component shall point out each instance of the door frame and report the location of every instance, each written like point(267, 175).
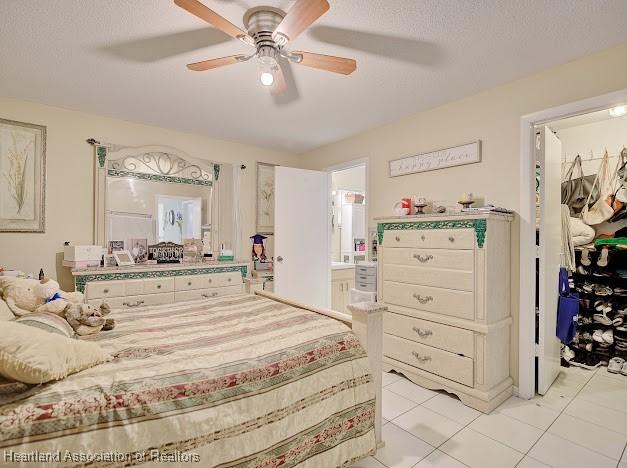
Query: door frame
point(527, 229)
point(348, 165)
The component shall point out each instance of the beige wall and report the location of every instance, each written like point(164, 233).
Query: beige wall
point(492, 116)
point(70, 166)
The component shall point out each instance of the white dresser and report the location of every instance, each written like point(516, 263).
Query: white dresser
point(144, 285)
point(446, 282)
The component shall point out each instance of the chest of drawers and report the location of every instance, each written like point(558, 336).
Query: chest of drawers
point(137, 286)
point(446, 283)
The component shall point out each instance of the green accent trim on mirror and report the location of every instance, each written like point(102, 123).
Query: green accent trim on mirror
point(80, 281)
point(479, 225)
point(158, 178)
point(216, 171)
point(101, 152)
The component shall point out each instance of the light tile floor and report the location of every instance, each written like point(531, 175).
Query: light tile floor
point(580, 423)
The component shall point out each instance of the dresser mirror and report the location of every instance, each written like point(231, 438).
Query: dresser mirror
point(162, 195)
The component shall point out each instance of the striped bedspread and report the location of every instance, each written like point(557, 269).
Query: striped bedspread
point(234, 381)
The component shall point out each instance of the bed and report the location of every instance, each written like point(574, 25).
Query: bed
point(250, 380)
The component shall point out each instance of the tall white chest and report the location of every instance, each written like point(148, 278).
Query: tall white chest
point(446, 282)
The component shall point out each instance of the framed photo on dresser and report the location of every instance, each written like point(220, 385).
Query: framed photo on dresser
point(22, 176)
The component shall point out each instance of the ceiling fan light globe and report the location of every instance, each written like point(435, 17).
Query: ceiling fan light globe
point(266, 78)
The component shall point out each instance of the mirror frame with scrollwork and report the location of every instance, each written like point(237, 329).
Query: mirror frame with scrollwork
point(152, 163)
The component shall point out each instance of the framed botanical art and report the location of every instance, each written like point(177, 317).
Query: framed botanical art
point(265, 198)
point(22, 177)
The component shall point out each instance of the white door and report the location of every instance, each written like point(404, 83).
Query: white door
point(301, 236)
point(549, 151)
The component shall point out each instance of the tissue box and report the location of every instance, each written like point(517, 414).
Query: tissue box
point(82, 253)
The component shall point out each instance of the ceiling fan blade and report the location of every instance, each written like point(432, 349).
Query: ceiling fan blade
point(216, 63)
point(330, 63)
point(302, 15)
point(280, 85)
point(201, 11)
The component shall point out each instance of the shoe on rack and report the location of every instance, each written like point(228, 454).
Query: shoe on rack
point(602, 290)
point(567, 353)
point(623, 371)
point(582, 271)
point(603, 259)
point(608, 336)
point(585, 257)
point(616, 365)
point(602, 319)
point(586, 360)
point(598, 336)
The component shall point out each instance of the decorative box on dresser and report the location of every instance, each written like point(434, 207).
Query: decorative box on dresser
point(446, 282)
point(143, 285)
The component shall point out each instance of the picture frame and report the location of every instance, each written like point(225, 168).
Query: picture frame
point(139, 249)
point(22, 177)
point(115, 246)
point(265, 198)
point(461, 155)
point(123, 258)
point(109, 260)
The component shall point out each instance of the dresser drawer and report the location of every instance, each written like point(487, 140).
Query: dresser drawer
point(191, 282)
point(134, 287)
point(443, 301)
point(228, 279)
point(366, 287)
point(105, 289)
point(437, 277)
point(431, 238)
point(365, 270)
point(198, 294)
point(365, 279)
point(453, 339)
point(158, 285)
point(448, 365)
point(133, 302)
point(433, 258)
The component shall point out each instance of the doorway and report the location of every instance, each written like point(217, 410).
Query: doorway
point(547, 140)
point(348, 228)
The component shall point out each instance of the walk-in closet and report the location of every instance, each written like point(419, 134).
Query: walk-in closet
point(581, 265)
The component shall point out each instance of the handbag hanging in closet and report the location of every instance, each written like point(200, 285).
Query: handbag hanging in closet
point(600, 211)
point(576, 191)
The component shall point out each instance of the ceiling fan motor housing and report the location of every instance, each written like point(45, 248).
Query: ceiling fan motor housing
point(261, 23)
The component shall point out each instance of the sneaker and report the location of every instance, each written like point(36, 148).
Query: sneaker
point(602, 290)
point(615, 365)
point(623, 371)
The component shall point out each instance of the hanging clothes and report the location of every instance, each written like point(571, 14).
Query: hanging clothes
point(568, 246)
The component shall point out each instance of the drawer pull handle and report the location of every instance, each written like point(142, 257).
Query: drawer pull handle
point(137, 304)
point(422, 333)
point(451, 239)
point(422, 259)
point(230, 279)
point(422, 300)
point(189, 283)
point(213, 294)
point(106, 291)
point(398, 239)
point(158, 286)
point(420, 358)
point(423, 237)
point(210, 280)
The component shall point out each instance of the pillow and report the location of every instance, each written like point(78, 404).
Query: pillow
point(5, 312)
point(11, 386)
point(49, 322)
point(31, 355)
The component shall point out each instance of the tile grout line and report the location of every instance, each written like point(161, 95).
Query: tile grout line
point(560, 413)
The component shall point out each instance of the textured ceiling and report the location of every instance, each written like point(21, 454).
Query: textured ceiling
point(126, 58)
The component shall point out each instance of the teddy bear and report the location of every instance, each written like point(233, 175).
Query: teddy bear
point(24, 296)
point(87, 319)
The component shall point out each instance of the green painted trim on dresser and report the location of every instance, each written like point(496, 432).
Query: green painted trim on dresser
point(101, 152)
point(81, 280)
point(479, 225)
point(157, 178)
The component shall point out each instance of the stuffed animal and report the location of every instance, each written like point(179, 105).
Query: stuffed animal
point(24, 296)
point(87, 319)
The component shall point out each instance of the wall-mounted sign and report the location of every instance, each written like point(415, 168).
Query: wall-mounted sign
point(165, 252)
point(440, 159)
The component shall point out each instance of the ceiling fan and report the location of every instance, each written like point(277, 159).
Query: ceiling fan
point(269, 30)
